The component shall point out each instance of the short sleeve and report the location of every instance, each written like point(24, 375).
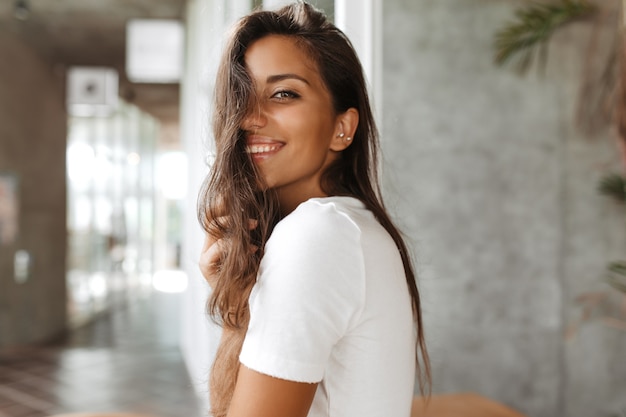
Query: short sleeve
point(309, 292)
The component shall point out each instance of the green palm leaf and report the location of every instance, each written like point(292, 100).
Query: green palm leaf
point(617, 276)
point(532, 29)
point(613, 185)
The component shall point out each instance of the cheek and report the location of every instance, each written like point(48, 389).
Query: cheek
point(310, 112)
point(310, 126)
point(316, 125)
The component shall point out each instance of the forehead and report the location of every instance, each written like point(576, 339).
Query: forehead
point(276, 54)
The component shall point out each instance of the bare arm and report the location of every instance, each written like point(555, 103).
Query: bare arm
point(255, 394)
point(259, 395)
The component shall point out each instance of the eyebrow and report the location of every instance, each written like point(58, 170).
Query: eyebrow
point(279, 77)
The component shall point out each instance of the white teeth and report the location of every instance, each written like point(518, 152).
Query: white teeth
point(261, 148)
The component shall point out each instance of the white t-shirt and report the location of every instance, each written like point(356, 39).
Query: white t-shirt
point(331, 305)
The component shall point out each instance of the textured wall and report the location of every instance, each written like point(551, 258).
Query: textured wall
point(32, 145)
point(497, 190)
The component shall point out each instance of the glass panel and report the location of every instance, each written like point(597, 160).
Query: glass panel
point(110, 208)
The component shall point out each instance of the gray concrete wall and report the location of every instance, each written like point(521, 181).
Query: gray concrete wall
point(32, 146)
point(496, 188)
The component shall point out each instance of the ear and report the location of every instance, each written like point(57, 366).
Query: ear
point(345, 127)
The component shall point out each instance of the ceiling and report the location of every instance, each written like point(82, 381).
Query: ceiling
point(92, 33)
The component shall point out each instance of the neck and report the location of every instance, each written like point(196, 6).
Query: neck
point(289, 201)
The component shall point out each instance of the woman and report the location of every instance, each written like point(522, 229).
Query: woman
point(311, 280)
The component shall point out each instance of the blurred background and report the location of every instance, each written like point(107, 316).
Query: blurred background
point(502, 125)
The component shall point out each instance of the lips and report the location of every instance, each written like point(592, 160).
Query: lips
point(261, 147)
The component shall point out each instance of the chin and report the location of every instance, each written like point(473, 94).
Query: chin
point(264, 185)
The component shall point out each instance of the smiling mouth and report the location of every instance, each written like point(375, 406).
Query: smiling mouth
point(262, 149)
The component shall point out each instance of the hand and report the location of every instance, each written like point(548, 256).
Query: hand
point(212, 251)
point(210, 255)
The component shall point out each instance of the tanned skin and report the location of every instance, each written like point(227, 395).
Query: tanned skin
point(295, 120)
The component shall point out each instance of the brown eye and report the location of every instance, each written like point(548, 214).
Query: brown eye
point(285, 95)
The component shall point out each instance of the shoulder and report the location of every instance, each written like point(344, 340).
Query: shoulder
point(320, 219)
point(320, 238)
point(310, 292)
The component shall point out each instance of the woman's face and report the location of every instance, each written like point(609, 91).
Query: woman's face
point(291, 129)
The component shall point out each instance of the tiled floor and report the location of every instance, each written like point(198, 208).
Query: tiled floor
point(124, 361)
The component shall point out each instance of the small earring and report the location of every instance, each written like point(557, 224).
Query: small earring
point(348, 139)
point(341, 135)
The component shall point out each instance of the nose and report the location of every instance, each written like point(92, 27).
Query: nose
point(255, 118)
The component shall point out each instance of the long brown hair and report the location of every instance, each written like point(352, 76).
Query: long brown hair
point(231, 195)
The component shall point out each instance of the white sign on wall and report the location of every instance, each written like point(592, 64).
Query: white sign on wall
point(154, 50)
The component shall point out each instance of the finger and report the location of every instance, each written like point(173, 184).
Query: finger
point(212, 254)
point(208, 241)
point(209, 260)
point(211, 235)
point(215, 225)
